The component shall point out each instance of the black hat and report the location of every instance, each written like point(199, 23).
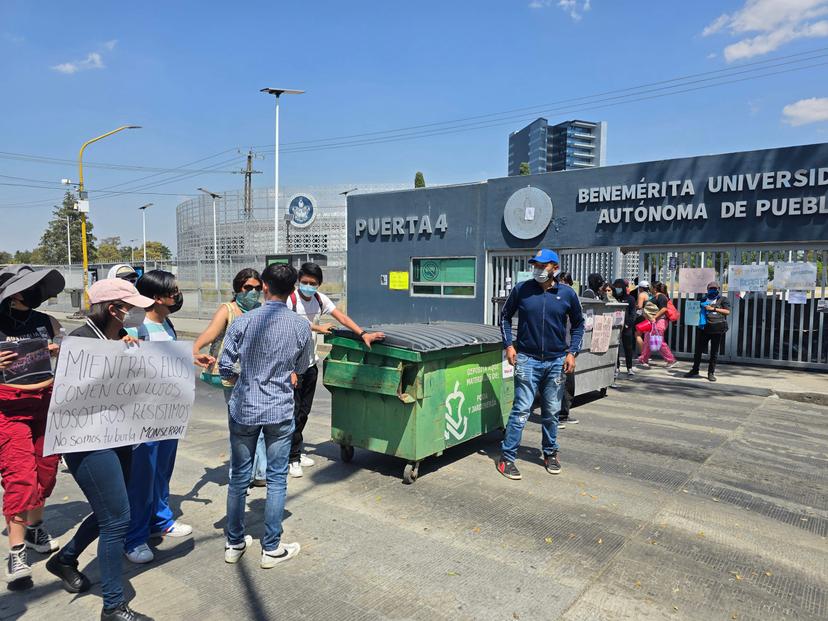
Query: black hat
point(18, 278)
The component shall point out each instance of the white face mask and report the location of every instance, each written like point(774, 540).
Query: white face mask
point(134, 317)
point(540, 274)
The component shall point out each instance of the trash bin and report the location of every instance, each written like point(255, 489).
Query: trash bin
point(76, 295)
point(596, 371)
point(425, 388)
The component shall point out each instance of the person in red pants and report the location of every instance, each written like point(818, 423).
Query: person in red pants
point(26, 343)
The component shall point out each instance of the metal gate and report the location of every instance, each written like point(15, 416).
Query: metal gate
point(504, 266)
point(764, 327)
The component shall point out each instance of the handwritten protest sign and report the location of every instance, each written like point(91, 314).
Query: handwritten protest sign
point(695, 279)
point(107, 394)
point(794, 275)
point(797, 297)
point(601, 332)
point(747, 277)
point(589, 318)
point(692, 313)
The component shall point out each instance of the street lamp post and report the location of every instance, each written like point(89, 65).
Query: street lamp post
point(215, 237)
point(132, 252)
point(277, 92)
point(143, 210)
point(83, 206)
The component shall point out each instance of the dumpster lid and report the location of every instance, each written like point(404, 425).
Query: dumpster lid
point(427, 337)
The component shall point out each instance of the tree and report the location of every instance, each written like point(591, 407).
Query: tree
point(524, 168)
point(53, 242)
point(109, 250)
point(419, 180)
point(5, 257)
point(156, 251)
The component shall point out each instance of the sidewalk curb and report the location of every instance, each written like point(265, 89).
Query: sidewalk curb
point(811, 398)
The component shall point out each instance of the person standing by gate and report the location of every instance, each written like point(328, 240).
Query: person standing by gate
point(712, 329)
point(540, 355)
point(622, 296)
point(565, 418)
point(655, 340)
point(311, 304)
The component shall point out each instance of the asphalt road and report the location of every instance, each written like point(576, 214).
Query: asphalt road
point(673, 504)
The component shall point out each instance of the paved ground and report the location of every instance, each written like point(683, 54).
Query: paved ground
point(674, 503)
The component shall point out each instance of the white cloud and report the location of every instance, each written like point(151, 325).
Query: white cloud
point(93, 60)
point(763, 26)
point(110, 45)
point(712, 55)
point(14, 39)
point(574, 8)
point(806, 111)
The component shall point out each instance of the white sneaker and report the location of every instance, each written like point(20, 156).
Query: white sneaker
point(305, 461)
point(141, 555)
point(178, 529)
point(295, 469)
point(644, 365)
point(673, 364)
point(233, 553)
point(631, 371)
point(284, 552)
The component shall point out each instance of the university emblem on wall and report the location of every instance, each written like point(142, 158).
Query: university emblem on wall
point(302, 210)
point(528, 213)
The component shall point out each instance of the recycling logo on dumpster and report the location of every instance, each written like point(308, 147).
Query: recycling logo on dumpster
point(456, 423)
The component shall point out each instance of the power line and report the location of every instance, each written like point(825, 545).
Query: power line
point(730, 70)
point(630, 98)
point(42, 159)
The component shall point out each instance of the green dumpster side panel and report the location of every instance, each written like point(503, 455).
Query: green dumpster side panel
point(416, 408)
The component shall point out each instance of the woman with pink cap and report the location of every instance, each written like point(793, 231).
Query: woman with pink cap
point(102, 475)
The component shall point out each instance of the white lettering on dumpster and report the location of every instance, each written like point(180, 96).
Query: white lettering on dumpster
point(456, 422)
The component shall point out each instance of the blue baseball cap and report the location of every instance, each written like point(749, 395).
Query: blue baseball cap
point(545, 255)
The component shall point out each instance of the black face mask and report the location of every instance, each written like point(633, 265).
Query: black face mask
point(178, 302)
point(32, 298)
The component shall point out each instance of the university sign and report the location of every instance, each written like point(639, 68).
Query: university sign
point(400, 227)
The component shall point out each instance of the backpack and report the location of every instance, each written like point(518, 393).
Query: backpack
point(672, 312)
point(315, 295)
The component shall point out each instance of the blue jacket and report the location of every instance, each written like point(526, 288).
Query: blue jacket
point(542, 320)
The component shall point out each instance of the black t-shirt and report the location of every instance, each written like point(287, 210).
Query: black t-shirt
point(18, 325)
point(86, 331)
point(661, 300)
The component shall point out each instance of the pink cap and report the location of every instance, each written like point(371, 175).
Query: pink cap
point(118, 290)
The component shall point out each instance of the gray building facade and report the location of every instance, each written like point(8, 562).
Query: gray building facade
point(452, 253)
point(550, 148)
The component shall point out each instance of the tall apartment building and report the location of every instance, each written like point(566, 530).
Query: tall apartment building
point(565, 146)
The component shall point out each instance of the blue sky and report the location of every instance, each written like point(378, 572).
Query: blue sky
point(190, 72)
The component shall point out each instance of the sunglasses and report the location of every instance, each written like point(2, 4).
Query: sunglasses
point(248, 288)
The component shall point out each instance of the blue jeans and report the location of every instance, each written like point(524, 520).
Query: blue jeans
point(260, 461)
point(102, 476)
point(532, 376)
point(243, 439)
point(149, 491)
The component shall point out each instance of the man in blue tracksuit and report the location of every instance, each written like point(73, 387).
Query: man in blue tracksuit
point(540, 355)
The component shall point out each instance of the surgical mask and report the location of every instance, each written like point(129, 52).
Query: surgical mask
point(248, 300)
point(307, 290)
point(712, 293)
point(134, 317)
point(178, 302)
point(618, 291)
point(540, 274)
point(556, 272)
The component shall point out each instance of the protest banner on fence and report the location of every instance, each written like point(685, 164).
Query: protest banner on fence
point(747, 277)
point(695, 279)
point(107, 394)
point(601, 332)
point(692, 313)
point(801, 276)
point(797, 297)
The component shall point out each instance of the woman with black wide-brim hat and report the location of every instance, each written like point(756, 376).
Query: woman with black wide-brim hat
point(26, 343)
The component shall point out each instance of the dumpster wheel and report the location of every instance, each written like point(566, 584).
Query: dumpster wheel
point(410, 472)
point(346, 453)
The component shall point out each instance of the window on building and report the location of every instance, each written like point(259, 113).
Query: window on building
point(444, 277)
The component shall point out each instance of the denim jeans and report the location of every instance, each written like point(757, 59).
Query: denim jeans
point(243, 439)
point(533, 376)
point(149, 491)
point(102, 476)
point(260, 461)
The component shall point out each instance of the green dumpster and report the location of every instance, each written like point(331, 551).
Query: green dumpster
point(426, 388)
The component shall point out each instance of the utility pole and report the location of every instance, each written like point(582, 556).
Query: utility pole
point(248, 173)
point(68, 244)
